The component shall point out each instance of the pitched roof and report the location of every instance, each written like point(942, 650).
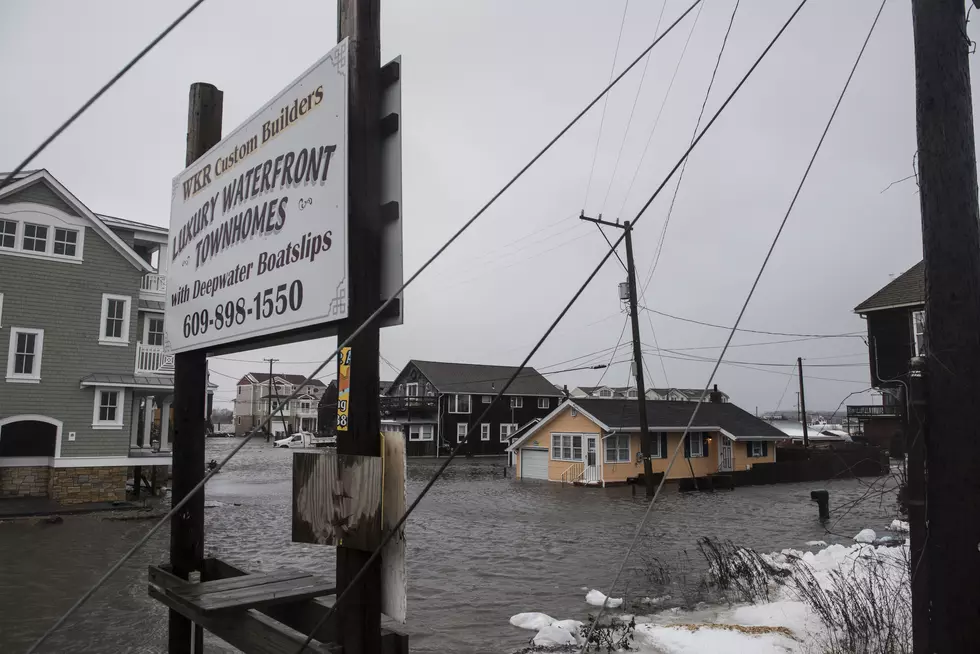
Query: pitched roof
point(263, 377)
point(907, 289)
point(620, 391)
point(625, 415)
point(479, 379)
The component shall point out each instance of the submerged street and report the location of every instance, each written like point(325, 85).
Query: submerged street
point(481, 548)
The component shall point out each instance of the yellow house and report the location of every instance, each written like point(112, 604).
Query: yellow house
point(597, 441)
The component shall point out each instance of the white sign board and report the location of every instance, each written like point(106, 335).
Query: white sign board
point(258, 225)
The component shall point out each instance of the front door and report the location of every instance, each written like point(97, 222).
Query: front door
point(725, 462)
point(591, 473)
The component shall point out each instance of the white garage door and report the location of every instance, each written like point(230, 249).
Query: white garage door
point(534, 464)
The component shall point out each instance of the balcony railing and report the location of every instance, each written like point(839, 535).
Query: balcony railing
point(154, 284)
point(402, 403)
point(873, 410)
point(151, 359)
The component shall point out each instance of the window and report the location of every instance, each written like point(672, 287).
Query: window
point(35, 238)
point(919, 331)
point(24, 355)
point(485, 431)
point(487, 399)
point(618, 448)
point(412, 390)
point(461, 429)
point(8, 234)
point(696, 440)
point(108, 412)
point(459, 404)
point(240, 389)
point(65, 242)
point(154, 331)
point(517, 402)
point(657, 438)
point(544, 403)
point(631, 393)
point(420, 432)
point(238, 421)
point(506, 430)
point(115, 320)
point(566, 447)
point(605, 392)
point(756, 449)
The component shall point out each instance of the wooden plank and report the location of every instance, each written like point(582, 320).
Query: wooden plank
point(266, 594)
point(304, 616)
point(394, 602)
point(337, 499)
point(249, 631)
point(248, 580)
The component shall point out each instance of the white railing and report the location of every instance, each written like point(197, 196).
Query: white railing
point(300, 411)
point(573, 473)
point(154, 283)
point(149, 358)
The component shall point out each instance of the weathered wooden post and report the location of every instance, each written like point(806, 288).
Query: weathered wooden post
point(190, 390)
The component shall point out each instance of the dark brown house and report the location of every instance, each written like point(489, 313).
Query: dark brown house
point(437, 403)
point(896, 333)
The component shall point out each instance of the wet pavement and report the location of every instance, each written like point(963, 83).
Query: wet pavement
point(480, 549)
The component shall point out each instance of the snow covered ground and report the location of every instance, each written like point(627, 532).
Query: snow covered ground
point(784, 625)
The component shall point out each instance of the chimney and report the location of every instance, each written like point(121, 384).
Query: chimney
point(715, 395)
point(565, 391)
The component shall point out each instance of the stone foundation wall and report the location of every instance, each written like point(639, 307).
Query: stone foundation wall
point(24, 482)
point(78, 485)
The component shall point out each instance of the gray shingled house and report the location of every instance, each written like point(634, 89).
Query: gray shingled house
point(87, 383)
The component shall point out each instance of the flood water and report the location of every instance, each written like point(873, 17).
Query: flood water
point(480, 549)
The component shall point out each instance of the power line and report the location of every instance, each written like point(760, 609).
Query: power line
point(753, 331)
point(769, 363)
point(618, 343)
point(605, 102)
point(629, 122)
point(656, 121)
point(766, 370)
point(745, 305)
point(680, 177)
point(98, 94)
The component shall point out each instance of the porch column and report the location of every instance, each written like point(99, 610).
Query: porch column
point(147, 420)
point(135, 420)
point(165, 425)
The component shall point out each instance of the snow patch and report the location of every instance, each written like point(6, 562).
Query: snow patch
point(898, 525)
point(553, 636)
point(866, 536)
point(696, 639)
point(595, 598)
point(816, 543)
point(532, 621)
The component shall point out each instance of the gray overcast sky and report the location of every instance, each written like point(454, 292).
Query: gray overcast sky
point(485, 84)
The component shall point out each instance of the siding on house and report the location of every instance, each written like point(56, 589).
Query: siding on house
point(65, 300)
point(39, 193)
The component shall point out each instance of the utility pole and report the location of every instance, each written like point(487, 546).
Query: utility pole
point(806, 436)
point(951, 249)
point(646, 445)
point(190, 390)
point(914, 405)
point(268, 394)
point(360, 21)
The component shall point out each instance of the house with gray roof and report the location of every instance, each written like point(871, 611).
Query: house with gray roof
point(438, 403)
point(630, 393)
point(257, 392)
point(87, 383)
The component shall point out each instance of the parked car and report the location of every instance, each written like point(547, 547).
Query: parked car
point(295, 440)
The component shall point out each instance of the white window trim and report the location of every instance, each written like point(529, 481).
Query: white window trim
point(146, 330)
point(516, 402)
point(655, 438)
point(48, 238)
point(454, 403)
point(919, 351)
point(485, 431)
point(604, 392)
point(35, 376)
point(507, 429)
point(120, 408)
point(78, 237)
point(422, 434)
point(628, 458)
point(696, 453)
point(461, 429)
point(52, 219)
point(756, 449)
point(123, 341)
point(569, 435)
point(544, 402)
point(412, 385)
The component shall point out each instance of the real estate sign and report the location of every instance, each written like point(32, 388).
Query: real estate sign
point(258, 225)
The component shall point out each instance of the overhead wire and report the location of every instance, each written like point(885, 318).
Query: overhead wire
point(680, 176)
point(439, 471)
point(745, 305)
point(356, 332)
point(98, 94)
point(605, 103)
point(615, 349)
point(753, 331)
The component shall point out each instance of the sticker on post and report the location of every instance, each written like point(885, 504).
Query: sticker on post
point(343, 389)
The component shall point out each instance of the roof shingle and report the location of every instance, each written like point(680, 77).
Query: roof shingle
point(909, 288)
point(624, 414)
point(479, 379)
